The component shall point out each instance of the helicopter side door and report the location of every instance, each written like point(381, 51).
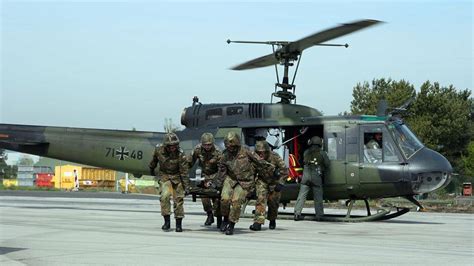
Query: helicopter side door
point(352, 158)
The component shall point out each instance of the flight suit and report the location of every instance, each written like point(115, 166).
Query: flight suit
point(173, 179)
point(265, 187)
point(208, 161)
point(373, 152)
point(316, 166)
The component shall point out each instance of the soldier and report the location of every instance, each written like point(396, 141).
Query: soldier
point(268, 186)
point(373, 149)
point(236, 170)
point(316, 166)
point(173, 178)
point(207, 155)
point(375, 142)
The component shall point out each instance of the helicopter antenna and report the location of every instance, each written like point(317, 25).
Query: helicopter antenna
point(288, 52)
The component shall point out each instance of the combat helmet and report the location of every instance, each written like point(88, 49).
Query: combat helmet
point(170, 139)
point(207, 138)
point(315, 141)
point(232, 140)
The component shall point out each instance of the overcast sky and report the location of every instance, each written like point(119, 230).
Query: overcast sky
point(119, 64)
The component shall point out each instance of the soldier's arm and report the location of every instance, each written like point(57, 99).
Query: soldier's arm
point(183, 170)
point(283, 170)
point(257, 161)
point(154, 161)
point(221, 172)
point(192, 158)
point(325, 161)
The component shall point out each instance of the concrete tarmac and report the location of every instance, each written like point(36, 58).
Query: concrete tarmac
point(47, 228)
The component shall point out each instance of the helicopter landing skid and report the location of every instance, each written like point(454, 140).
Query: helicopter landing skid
point(381, 215)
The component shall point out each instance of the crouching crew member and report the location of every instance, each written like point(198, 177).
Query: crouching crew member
point(268, 186)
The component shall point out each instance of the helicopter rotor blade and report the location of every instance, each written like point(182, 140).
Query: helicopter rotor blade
point(296, 47)
point(329, 34)
point(263, 61)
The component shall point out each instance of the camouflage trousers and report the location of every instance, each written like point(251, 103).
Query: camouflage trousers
point(168, 190)
point(212, 205)
point(232, 199)
point(317, 197)
point(265, 196)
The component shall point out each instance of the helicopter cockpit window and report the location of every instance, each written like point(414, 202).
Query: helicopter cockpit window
point(335, 147)
point(408, 142)
point(237, 110)
point(213, 113)
point(379, 147)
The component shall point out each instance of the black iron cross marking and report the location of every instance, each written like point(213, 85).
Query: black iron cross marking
point(122, 153)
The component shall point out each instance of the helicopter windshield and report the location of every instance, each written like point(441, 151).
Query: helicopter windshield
point(406, 140)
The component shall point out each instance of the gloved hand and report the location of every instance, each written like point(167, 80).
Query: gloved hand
point(201, 184)
point(209, 184)
point(152, 171)
point(276, 174)
point(222, 167)
point(187, 190)
point(278, 187)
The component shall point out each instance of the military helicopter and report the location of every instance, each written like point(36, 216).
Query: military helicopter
point(401, 167)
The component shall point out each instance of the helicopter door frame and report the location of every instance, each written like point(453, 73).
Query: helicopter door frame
point(335, 140)
point(352, 158)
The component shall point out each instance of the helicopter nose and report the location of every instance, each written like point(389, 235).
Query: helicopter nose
point(429, 171)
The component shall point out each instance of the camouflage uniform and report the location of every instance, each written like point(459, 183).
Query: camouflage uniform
point(173, 178)
point(208, 161)
point(265, 185)
point(316, 166)
point(237, 169)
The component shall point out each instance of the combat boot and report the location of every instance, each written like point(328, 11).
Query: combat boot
point(230, 229)
point(210, 218)
point(298, 217)
point(219, 221)
point(179, 227)
point(272, 224)
point(225, 224)
point(166, 226)
point(256, 227)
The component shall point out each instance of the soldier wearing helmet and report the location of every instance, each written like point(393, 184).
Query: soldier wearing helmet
point(173, 178)
point(316, 165)
point(208, 155)
point(268, 186)
point(237, 170)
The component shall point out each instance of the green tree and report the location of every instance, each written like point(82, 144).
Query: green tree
point(6, 171)
point(468, 162)
point(3, 164)
point(440, 117)
point(367, 96)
